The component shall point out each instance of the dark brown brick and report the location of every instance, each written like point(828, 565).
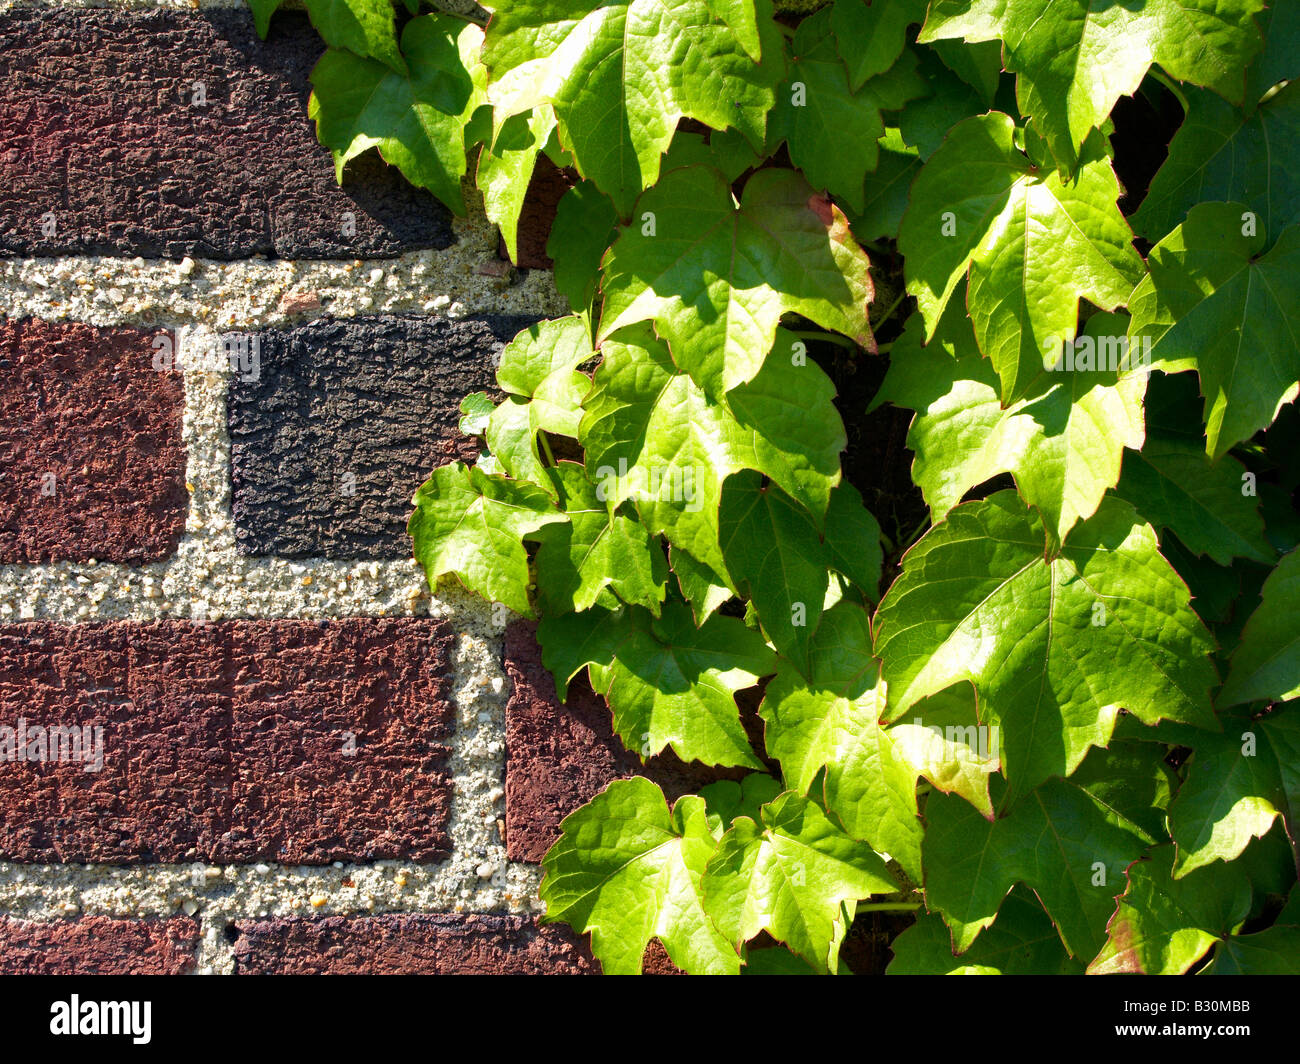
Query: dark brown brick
point(559, 756)
point(92, 464)
point(99, 125)
point(545, 190)
point(344, 421)
point(438, 944)
point(227, 741)
point(98, 945)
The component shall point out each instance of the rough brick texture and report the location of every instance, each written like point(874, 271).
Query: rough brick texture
point(98, 945)
point(227, 741)
point(442, 944)
point(345, 420)
point(559, 755)
point(545, 190)
point(92, 464)
point(99, 125)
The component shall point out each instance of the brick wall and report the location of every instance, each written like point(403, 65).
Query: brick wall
point(221, 379)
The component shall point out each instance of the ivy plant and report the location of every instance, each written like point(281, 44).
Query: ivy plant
point(1041, 705)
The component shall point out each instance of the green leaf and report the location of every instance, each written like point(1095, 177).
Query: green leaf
point(473, 525)
point(885, 198)
point(790, 874)
point(1273, 951)
point(1219, 153)
point(1175, 486)
point(544, 394)
point(505, 168)
point(652, 435)
point(852, 540)
point(584, 227)
point(418, 121)
point(715, 277)
point(919, 131)
point(829, 717)
point(724, 150)
point(1214, 301)
point(1267, 663)
point(1280, 59)
point(831, 130)
point(511, 438)
point(1162, 925)
point(365, 27)
point(698, 584)
point(1076, 58)
point(925, 123)
point(627, 870)
point(1131, 780)
point(596, 550)
point(776, 558)
point(788, 418)
point(978, 64)
point(668, 682)
point(1022, 941)
point(741, 18)
point(1032, 243)
point(1064, 446)
point(727, 800)
point(1237, 785)
point(1054, 646)
point(870, 35)
point(476, 409)
point(262, 12)
point(1067, 847)
point(540, 361)
point(1214, 588)
point(943, 740)
point(616, 76)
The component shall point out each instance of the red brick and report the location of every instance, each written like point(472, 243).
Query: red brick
point(226, 741)
point(559, 756)
point(85, 405)
point(99, 125)
point(437, 944)
point(98, 945)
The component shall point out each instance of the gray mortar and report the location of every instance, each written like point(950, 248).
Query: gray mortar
point(207, 579)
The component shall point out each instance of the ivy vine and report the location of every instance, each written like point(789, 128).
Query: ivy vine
point(1052, 720)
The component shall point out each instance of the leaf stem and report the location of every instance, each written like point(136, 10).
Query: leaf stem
point(890, 907)
point(1171, 85)
point(546, 446)
point(890, 312)
point(916, 533)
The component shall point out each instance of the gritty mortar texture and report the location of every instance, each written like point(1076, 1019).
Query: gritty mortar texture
point(465, 278)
